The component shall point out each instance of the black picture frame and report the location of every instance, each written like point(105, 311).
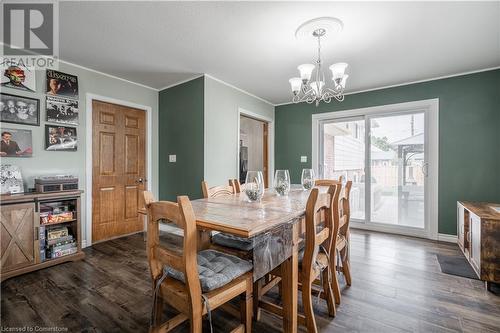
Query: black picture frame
point(61, 84)
point(61, 138)
point(62, 110)
point(7, 116)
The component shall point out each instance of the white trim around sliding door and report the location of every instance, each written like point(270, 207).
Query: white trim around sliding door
point(431, 109)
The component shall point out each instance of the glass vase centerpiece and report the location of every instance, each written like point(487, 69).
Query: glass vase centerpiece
point(254, 186)
point(282, 182)
point(307, 179)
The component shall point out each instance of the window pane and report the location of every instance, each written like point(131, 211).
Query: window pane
point(397, 160)
point(344, 155)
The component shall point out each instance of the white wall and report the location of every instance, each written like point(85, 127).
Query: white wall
point(222, 105)
point(49, 162)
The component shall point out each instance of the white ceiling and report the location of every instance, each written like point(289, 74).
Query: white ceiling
point(251, 45)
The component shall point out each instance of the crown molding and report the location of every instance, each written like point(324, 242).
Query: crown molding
point(181, 82)
point(105, 74)
point(239, 89)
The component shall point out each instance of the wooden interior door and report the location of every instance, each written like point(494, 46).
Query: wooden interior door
point(17, 232)
point(118, 171)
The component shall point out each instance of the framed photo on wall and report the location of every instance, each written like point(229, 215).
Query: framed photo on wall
point(60, 138)
point(18, 76)
point(19, 110)
point(61, 84)
point(16, 143)
point(62, 110)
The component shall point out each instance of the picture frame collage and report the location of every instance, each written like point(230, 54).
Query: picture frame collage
point(61, 110)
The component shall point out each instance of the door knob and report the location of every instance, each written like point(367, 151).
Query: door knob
point(141, 180)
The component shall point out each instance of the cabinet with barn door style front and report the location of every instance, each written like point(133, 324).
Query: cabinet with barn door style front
point(479, 238)
point(38, 230)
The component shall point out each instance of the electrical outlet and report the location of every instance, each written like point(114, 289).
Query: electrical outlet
point(172, 158)
point(303, 159)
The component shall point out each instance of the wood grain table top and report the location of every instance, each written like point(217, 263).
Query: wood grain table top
point(236, 215)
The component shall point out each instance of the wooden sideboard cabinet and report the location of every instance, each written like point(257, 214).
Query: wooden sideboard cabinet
point(24, 225)
point(479, 238)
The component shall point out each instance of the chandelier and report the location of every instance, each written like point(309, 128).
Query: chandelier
point(311, 86)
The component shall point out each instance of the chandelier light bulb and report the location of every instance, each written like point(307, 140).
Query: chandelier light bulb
point(305, 72)
point(338, 71)
point(295, 83)
point(343, 81)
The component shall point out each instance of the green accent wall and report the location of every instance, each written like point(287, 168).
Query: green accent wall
point(180, 127)
point(469, 135)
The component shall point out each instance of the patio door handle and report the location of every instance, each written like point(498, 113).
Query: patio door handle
point(425, 169)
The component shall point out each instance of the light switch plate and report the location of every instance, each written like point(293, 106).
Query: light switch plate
point(172, 158)
point(303, 159)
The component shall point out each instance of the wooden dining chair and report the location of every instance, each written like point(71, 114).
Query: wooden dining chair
point(328, 182)
point(343, 238)
point(235, 183)
point(341, 243)
point(193, 283)
point(314, 261)
point(216, 191)
point(238, 246)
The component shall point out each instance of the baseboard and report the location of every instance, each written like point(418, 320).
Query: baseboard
point(447, 238)
point(84, 243)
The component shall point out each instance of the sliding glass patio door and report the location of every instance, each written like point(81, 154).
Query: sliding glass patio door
point(385, 155)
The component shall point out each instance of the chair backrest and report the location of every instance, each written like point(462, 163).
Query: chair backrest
point(328, 182)
point(345, 210)
point(235, 183)
point(182, 214)
point(216, 191)
point(318, 205)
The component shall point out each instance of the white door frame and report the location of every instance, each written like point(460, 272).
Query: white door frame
point(431, 109)
point(270, 141)
point(89, 150)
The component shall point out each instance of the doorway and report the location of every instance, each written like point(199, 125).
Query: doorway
point(390, 155)
point(253, 149)
point(118, 169)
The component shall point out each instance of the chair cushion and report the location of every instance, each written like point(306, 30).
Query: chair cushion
point(227, 240)
point(215, 269)
point(321, 258)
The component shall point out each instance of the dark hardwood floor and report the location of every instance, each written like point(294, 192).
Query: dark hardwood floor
point(397, 287)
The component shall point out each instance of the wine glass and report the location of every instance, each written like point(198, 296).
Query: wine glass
point(254, 185)
point(307, 179)
point(282, 182)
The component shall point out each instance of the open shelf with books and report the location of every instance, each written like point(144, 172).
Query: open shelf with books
point(48, 232)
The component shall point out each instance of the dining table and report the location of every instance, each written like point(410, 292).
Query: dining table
point(273, 224)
